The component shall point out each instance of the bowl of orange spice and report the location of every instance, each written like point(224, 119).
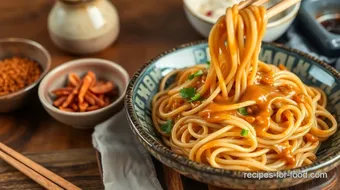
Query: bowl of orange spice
point(23, 63)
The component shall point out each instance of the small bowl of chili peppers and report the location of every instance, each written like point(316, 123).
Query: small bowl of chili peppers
point(84, 92)
point(23, 63)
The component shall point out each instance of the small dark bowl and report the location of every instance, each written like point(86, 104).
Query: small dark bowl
point(24, 48)
point(311, 14)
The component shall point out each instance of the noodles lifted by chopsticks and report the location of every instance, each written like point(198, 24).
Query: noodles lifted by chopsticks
point(240, 113)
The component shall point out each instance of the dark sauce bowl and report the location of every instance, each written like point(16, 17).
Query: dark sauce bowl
point(331, 22)
point(320, 21)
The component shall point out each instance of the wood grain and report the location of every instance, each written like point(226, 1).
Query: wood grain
point(172, 179)
point(29, 173)
point(77, 166)
point(145, 32)
point(33, 170)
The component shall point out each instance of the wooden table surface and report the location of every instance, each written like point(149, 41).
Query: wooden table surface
point(145, 32)
point(147, 29)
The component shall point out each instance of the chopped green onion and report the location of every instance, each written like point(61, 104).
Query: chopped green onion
point(190, 94)
point(196, 74)
point(196, 97)
point(208, 63)
point(244, 132)
point(167, 127)
point(243, 111)
point(187, 93)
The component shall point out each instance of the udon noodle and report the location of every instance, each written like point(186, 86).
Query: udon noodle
point(239, 113)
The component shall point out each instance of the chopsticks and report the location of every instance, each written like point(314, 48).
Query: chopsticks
point(36, 172)
point(246, 3)
point(278, 8)
point(273, 10)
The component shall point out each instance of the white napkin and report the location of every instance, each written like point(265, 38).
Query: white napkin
point(126, 164)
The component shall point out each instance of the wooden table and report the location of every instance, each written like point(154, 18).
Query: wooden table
point(145, 32)
point(147, 29)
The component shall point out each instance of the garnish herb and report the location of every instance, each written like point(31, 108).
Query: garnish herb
point(167, 127)
point(208, 63)
point(243, 111)
point(244, 132)
point(190, 94)
point(187, 93)
point(196, 74)
point(196, 97)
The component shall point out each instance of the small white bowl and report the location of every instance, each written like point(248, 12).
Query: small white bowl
point(275, 28)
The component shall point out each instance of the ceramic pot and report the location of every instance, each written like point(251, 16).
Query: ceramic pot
point(83, 26)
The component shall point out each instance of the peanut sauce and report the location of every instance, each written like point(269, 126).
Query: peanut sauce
point(250, 119)
point(177, 103)
point(282, 67)
point(262, 94)
point(286, 89)
point(285, 151)
point(285, 115)
point(259, 115)
point(195, 104)
point(217, 116)
point(265, 78)
point(285, 124)
point(200, 82)
point(311, 138)
point(221, 100)
point(299, 98)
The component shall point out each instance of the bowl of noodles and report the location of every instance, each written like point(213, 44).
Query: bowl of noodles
point(234, 110)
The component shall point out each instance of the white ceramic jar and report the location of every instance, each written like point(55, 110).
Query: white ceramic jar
point(83, 26)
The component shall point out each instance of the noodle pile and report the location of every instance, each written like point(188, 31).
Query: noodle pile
point(239, 113)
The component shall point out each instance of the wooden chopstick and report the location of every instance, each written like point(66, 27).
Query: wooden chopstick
point(33, 170)
point(246, 3)
point(278, 8)
point(260, 2)
point(273, 10)
point(28, 172)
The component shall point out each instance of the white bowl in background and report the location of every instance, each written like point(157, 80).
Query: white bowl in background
point(275, 27)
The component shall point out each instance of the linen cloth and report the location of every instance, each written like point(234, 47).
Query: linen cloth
point(126, 163)
point(295, 38)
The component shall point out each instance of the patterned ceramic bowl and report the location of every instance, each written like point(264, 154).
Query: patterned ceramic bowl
point(144, 86)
